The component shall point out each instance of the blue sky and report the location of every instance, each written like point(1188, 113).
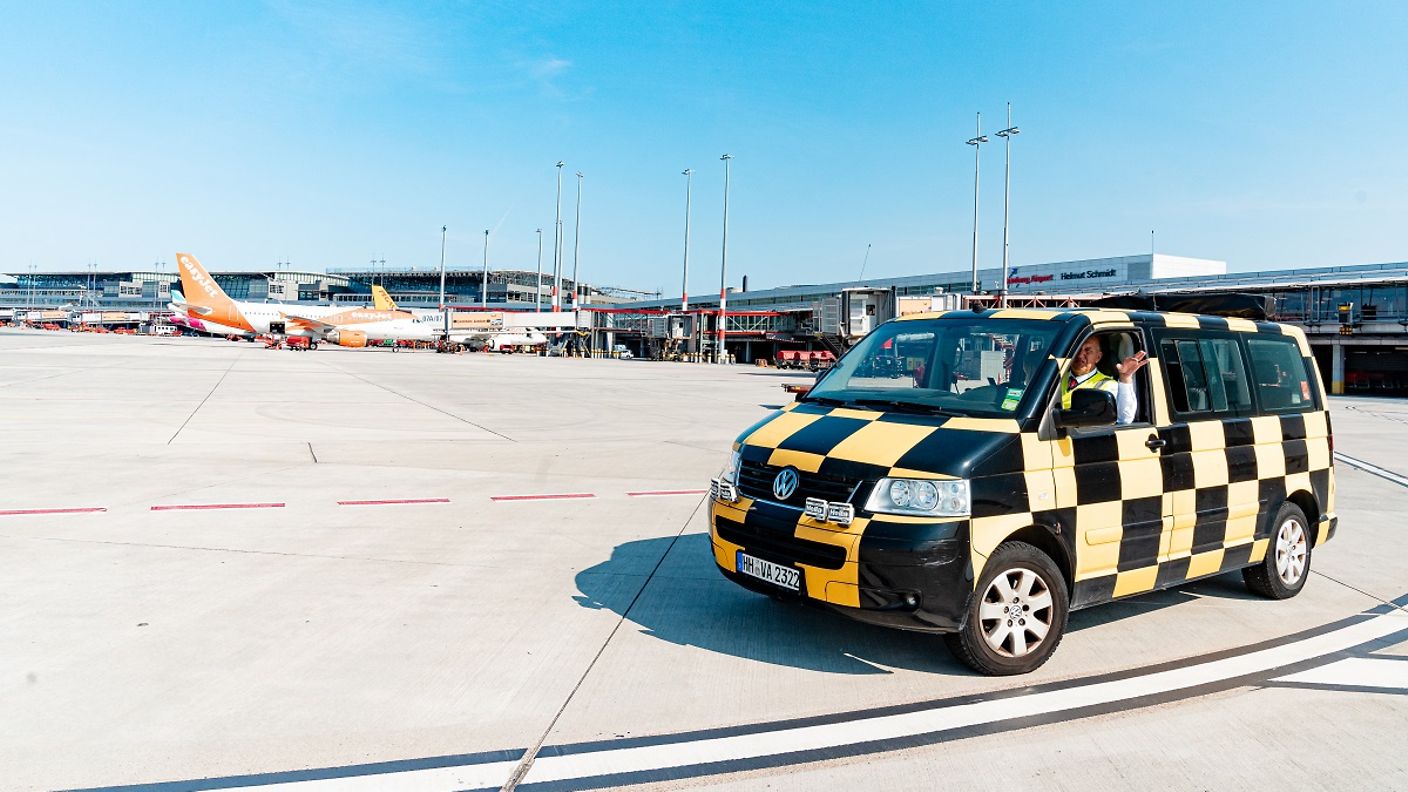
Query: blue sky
point(327, 134)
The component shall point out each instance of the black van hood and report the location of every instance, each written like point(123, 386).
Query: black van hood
point(866, 444)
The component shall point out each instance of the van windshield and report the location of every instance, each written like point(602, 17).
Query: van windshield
point(979, 367)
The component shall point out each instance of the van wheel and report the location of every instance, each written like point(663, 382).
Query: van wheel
point(1282, 574)
point(1017, 614)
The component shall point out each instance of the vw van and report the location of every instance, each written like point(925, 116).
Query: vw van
point(935, 479)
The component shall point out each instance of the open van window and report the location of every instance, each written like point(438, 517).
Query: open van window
point(981, 368)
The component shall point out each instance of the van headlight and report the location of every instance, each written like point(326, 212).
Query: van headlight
point(725, 487)
point(920, 497)
point(730, 471)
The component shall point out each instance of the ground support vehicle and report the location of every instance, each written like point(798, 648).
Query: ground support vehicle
point(976, 496)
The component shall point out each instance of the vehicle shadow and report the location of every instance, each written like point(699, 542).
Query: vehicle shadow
point(687, 602)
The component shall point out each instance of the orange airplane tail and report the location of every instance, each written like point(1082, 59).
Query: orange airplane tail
point(204, 296)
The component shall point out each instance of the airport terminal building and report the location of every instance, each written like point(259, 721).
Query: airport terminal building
point(150, 290)
point(1355, 316)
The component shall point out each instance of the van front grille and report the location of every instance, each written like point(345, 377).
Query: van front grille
point(755, 481)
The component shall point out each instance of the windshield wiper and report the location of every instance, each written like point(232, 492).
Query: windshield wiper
point(909, 407)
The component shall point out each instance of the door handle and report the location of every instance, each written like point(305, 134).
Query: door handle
point(1154, 443)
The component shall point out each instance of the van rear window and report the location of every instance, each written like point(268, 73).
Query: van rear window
point(1206, 375)
point(1282, 381)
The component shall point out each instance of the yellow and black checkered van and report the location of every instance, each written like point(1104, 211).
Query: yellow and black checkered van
point(956, 473)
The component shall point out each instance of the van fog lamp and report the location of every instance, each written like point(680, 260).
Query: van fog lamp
point(723, 491)
point(929, 498)
point(840, 513)
point(815, 509)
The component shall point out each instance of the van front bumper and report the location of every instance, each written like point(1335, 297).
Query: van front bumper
point(904, 575)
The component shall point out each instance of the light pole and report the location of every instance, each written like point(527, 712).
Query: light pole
point(723, 268)
point(576, 249)
point(484, 285)
point(688, 174)
point(557, 244)
point(443, 310)
point(1006, 135)
point(976, 142)
point(538, 285)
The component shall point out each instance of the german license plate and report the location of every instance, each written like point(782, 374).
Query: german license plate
point(767, 571)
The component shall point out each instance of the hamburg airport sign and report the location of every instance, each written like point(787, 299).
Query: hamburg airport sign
point(1059, 280)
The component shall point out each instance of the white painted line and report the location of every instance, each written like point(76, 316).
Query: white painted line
point(1368, 467)
point(1374, 672)
point(949, 718)
point(435, 779)
point(823, 739)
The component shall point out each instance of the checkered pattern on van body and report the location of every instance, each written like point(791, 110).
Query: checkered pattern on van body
point(1203, 504)
point(860, 446)
point(1102, 492)
point(1110, 497)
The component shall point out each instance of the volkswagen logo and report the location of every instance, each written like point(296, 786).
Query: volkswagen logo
point(785, 484)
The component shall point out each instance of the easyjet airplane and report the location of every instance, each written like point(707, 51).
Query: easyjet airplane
point(192, 323)
point(205, 301)
point(205, 305)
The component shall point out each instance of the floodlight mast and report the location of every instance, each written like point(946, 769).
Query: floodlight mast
point(688, 174)
point(1006, 135)
point(719, 355)
point(976, 142)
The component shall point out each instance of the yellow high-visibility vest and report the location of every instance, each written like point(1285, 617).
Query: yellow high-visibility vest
point(1098, 381)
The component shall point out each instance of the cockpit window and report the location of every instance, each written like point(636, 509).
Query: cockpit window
point(981, 367)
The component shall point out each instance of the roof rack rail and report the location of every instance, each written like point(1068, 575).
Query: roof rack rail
point(1257, 307)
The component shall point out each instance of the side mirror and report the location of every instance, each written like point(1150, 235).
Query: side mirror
point(1089, 407)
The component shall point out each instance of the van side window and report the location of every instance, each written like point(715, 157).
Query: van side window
point(1282, 382)
point(1206, 375)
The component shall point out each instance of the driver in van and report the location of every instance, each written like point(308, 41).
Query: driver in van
point(1084, 374)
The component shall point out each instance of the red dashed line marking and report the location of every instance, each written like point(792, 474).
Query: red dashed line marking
point(82, 510)
point(652, 493)
point(392, 502)
point(557, 496)
point(204, 506)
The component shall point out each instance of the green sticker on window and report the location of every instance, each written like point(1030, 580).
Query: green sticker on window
point(1010, 402)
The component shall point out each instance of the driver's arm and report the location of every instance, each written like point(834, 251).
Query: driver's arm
point(1126, 402)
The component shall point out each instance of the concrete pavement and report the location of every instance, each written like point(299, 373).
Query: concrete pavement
point(146, 646)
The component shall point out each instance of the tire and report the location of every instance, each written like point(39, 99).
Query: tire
point(1282, 574)
point(1017, 575)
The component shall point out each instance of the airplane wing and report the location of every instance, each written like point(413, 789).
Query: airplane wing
point(307, 323)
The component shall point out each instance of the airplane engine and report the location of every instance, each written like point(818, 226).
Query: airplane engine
point(348, 338)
